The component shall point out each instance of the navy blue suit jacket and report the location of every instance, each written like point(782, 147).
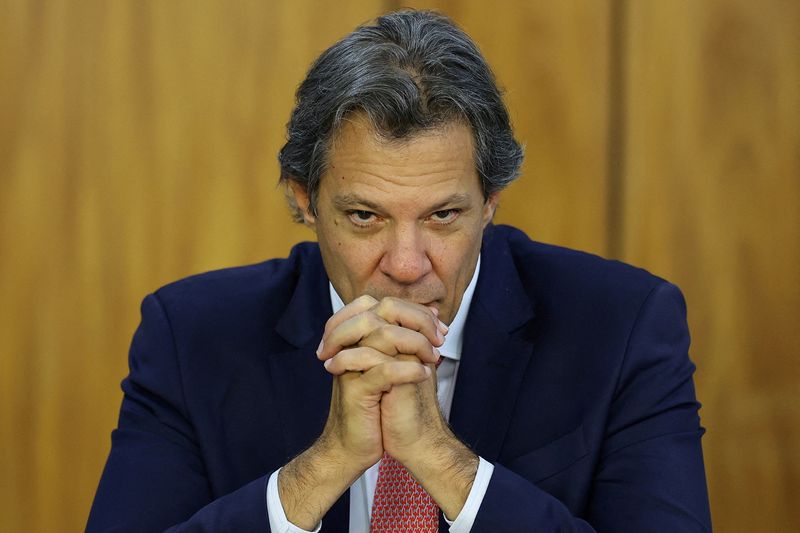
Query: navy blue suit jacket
point(574, 381)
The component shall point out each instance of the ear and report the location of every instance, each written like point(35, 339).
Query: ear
point(299, 197)
point(489, 207)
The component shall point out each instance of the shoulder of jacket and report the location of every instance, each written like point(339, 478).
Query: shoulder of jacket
point(570, 271)
point(238, 286)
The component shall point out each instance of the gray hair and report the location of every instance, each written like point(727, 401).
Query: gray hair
point(410, 72)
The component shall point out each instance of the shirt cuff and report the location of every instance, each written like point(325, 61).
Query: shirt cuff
point(278, 523)
point(465, 519)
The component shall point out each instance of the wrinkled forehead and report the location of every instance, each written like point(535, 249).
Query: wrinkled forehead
point(358, 138)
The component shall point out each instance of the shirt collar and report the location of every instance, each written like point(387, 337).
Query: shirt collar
point(454, 340)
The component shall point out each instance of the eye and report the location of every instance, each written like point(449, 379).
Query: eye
point(360, 217)
point(445, 216)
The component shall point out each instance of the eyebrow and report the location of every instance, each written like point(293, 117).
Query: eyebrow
point(349, 201)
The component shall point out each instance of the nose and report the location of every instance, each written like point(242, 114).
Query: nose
point(405, 259)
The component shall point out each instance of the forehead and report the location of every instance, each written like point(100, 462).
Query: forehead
point(356, 145)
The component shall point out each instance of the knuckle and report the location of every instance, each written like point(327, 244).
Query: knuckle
point(329, 325)
point(387, 306)
point(388, 370)
point(364, 299)
point(366, 355)
point(384, 332)
point(365, 321)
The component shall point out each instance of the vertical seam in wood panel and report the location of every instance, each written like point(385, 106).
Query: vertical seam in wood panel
point(617, 138)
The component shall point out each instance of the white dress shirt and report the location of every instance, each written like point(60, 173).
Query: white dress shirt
point(363, 490)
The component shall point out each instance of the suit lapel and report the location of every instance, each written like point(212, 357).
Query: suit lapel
point(300, 383)
point(496, 351)
point(302, 387)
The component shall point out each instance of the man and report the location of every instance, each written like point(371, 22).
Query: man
point(419, 369)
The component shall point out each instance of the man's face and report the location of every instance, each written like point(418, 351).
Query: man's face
point(400, 218)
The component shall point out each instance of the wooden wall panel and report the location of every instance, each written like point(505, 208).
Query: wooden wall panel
point(712, 202)
point(138, 141)
point(553, 59)
point(137, 146)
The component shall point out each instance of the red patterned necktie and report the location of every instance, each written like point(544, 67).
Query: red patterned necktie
point(400, 503)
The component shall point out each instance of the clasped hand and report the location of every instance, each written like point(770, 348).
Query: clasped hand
point(382, 356)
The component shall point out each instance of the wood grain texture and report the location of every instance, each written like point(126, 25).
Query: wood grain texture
point(138, 142)
point(712, 202)
point(553, 60)
point(137, 146)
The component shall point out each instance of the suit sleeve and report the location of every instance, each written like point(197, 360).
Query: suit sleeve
point(154, 478)
point(650, 474)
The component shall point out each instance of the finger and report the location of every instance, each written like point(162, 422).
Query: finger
point(369, 330)
point(432, 367)
point(349, 333)
point(359, 359)
point(383, 377)
point(353, 323)
point(392, 340)
point(413, 316)
point(359, 305)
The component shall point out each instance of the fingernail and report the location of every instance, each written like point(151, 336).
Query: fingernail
point(436, 353)
point(439, 335)
point(427, 371)
point(319, 348)
point(434, 310)
point(444, 327)
point(327, 363)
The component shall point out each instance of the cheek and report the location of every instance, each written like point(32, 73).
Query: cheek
point(453, 257)
point(331, 234)
point(359, 263)
point(352, 258)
